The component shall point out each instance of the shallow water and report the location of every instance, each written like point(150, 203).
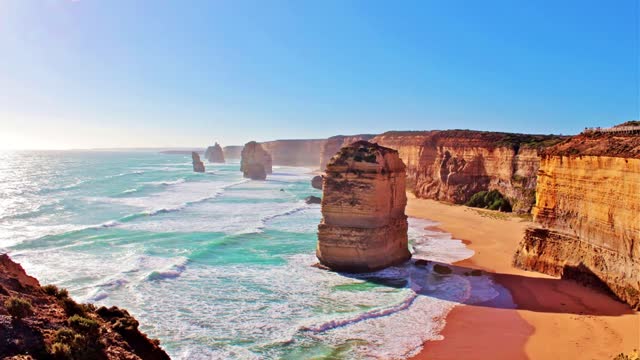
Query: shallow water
point(216, 266)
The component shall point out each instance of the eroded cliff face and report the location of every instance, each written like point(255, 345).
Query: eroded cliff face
point(255, 162)
point(49, 330)
point(364, 227)
point(453, 165)
point(214, 154)
point(295, 152)
point(333, 144)
point(587, 214)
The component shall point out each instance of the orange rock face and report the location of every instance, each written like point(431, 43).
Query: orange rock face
point(364, 227)
point(588, 214)
point(256, 162)
point(453, 165)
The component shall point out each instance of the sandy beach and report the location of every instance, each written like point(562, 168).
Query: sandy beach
point(553, 318)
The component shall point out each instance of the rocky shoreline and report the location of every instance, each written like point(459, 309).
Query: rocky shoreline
point(44, 322)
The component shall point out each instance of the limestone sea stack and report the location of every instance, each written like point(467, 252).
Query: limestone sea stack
point(363, 227)
point(255, 162)
point(198, 166)
point(214, 154)
point(587, 213)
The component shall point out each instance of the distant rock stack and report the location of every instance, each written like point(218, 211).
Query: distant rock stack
point(255, 162)
point(214, 154)
point(363, 227)
point(198, 166)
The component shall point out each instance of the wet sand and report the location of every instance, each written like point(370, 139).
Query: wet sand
point(553, 318)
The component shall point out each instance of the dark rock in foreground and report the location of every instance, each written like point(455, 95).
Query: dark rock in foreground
point(45, 323)
point(316, 182)
point(312, 200)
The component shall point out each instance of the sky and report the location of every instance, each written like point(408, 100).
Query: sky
point(186, 73)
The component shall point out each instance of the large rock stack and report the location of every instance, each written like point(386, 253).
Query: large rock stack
point(198, 166)
point(256, 162)
point(214, 154)
point(364, 227)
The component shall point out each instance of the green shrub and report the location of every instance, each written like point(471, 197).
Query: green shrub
point(492, 200)
point(80, 341)
point(61, 351)
point(71, 307)
point(18, 308)
point(55, 291)
point(82, 325)
point(50, 290)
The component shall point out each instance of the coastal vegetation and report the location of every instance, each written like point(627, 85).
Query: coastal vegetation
point(492, 200)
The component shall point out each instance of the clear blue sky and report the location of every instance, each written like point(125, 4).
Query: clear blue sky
point(101, 73)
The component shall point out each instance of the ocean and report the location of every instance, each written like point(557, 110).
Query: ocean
point(214, 265)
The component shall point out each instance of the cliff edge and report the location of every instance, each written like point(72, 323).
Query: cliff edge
point(44, 322)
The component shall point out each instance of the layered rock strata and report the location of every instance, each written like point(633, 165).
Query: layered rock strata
point(58, 327)
point(363, 227)
point(198, 165)
point(214, 154)
point(255, 161)
point(587, 214)
point(453, 165)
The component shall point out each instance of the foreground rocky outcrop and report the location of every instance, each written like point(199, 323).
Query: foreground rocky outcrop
point(294, 152)
point(255, 162)
point(214, 154)
point(364, 227)
point(198, 165)
point(587, 214)
point(453, 165)
point(45, 323)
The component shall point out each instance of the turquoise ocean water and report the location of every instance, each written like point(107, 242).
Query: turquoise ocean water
point(214, 265)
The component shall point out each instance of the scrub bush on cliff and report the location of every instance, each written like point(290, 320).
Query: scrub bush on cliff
point(18, 308)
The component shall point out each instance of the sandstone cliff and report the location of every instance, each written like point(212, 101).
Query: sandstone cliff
point(214, 154)
point(453, 165)
point(255, 161)
point(198, 165)
point(295, 152)
point(364, 227)
point(54, 326)
point(333, 144)
point(587, 214)
point(232, 151)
